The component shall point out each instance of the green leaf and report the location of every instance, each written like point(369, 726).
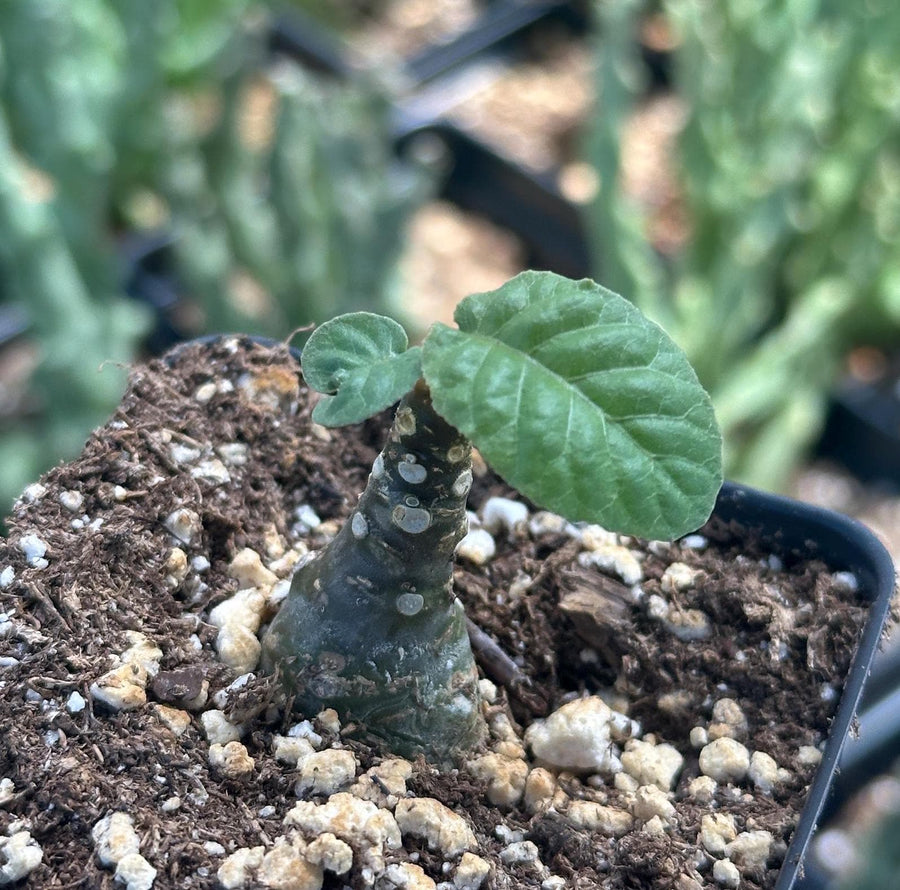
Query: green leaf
point(581, 403)
point(363, 359)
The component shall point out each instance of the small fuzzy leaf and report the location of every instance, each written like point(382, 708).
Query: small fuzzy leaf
point(347, 343)
point(367, 390)
point(581, 403)
point(363, 360)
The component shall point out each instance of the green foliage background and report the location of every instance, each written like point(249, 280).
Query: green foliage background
point(285, 204)
point(790, 164)
point(120, 117)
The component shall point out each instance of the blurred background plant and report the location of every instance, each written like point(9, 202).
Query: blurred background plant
point(167, 133)
point(166, 150)
point(788, 162)
point(865, 850)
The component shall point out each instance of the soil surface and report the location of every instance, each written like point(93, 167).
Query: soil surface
point(98, 552)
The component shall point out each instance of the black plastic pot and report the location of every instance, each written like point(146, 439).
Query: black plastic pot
point(865, 733)
point(862, 431)
point(530, 206)
point(149, 278)
point(864, 730)
point(502, 28)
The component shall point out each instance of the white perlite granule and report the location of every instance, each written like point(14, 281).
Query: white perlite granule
point(117, 844)
point(20, 854)
point(578, 736)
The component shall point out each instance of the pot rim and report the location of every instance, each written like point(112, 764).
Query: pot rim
point(793, 528)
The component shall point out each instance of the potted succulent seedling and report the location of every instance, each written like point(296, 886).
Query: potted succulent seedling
point(556, 382)
point(233, 600)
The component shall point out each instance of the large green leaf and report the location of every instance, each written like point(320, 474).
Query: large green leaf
point(363, 359)
point(581, 403)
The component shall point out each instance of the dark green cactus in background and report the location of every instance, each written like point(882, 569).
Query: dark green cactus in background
point(302, 202)
point(788, 165)
point(118, 118)
point(58, 88)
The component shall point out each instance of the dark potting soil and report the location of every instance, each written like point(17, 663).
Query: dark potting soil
point(224, 431)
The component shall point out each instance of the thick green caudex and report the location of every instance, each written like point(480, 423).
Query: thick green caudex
point(570, 393)
point(372, 627)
